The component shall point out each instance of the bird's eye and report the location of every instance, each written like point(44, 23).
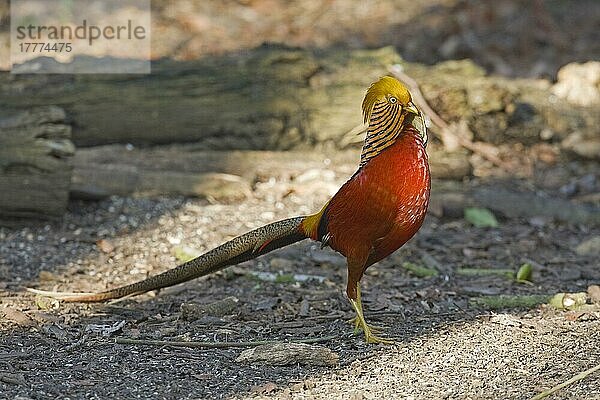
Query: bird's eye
point(393, 100)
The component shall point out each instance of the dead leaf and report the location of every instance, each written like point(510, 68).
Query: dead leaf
point(594, 293)
point(105, 246)
point(589, 248)
point(16, 316)
point(574, 315)
point(265, 389)
point(46, 276)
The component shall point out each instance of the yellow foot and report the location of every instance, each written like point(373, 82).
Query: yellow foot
point(358, 326)
point(371, 338)
point(361, 324)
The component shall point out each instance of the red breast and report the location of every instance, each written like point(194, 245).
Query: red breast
point(383, 204)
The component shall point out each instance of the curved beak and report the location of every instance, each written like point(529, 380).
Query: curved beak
point(411, 108)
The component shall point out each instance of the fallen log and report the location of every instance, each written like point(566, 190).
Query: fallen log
point(35, 165)
point(276, 98)
point(96, 181)
point(268, 98)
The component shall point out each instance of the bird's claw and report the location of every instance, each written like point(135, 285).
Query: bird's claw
point(371, 338)
point(358, 326)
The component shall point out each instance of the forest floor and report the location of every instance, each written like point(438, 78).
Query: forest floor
point(446, 344)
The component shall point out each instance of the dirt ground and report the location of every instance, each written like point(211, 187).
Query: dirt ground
point(446, 346)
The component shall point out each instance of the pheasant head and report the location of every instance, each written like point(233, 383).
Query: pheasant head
point(388, 109)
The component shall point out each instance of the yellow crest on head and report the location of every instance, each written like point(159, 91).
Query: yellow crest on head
point(386, 88)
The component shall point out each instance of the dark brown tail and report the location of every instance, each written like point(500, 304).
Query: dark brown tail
point(243, 248)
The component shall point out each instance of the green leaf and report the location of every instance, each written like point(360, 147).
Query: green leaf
point(285, 278)
point(508, 273)
point(524, 273)
point(568, 301)
point(419, 270)
point(480, 217)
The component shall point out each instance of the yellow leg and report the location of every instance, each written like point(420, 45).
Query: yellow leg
point(356, 321)
point(360, 323)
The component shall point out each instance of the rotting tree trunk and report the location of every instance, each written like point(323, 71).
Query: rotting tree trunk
point(270, 98)
point(35, 165)
point(275, 98)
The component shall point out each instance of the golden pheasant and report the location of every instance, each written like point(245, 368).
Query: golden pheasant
point(373, 214)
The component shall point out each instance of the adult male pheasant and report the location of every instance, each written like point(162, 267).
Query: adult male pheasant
point(373, 214)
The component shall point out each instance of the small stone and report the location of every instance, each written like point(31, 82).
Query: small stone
point(219, 308)
point(265, 389)
point(297, 387)
point(357, 395)
point(16, 316)
point(105, 246)
point(590, 247)
point(579, 83)
point(594, 293)
point(315, 174)
point(289, 354)
point(281, 264)
point(582, 145)
point(47, 276)
point(304, 308)
point(326, 256)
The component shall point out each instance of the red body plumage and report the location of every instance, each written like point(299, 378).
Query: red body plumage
point(381, 207)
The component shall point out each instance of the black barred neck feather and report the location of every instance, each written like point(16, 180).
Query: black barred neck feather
point(385, 125)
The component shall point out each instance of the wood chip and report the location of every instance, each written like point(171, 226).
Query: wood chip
point(16, 316)
point(219, 308)
point(288, 354)
point(265, 389)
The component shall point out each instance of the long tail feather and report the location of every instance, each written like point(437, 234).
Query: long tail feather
point(242, 248)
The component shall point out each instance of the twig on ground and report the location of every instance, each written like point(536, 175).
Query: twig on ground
point(576, 378)
point(12, 379)
point(216, 345)
point(352, 136)
point(463, 310)
point(450, 139)
point(327, 317)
